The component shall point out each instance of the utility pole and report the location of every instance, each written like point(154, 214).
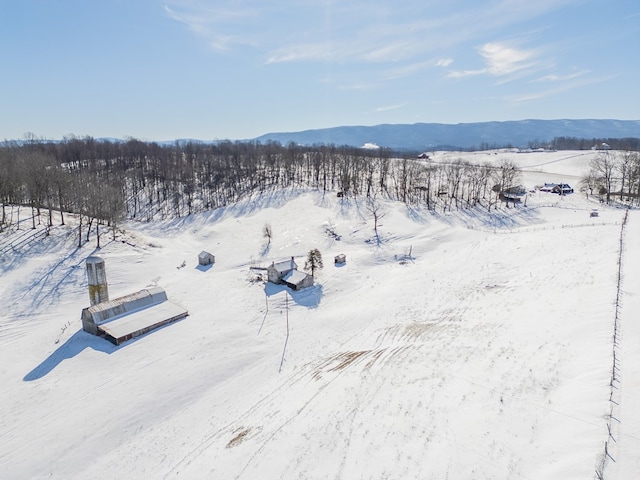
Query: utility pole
point(286, 309)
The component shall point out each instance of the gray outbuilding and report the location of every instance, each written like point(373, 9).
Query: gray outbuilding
point(206, 258)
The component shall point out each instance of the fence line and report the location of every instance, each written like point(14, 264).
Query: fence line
point(612, 420)
point(507, 231)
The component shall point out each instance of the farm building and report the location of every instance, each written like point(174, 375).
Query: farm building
point(297, 280)
point(206, 258)
point(286, 273)
point(127, 317)
point(513, 194)
point(97, 279)
point(339, 259)
point(561, 188)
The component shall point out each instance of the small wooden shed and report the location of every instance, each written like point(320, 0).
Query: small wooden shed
point(206, 258)
point(341, 258)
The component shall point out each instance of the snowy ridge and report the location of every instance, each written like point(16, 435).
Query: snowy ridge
point(484, 353)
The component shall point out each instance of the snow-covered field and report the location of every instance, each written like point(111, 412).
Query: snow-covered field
point(485, 355)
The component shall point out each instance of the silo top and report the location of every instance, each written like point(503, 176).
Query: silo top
point(93, 260)
point(96, 272)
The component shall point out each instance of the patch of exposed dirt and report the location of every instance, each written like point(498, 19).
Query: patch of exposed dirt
point(238, 438)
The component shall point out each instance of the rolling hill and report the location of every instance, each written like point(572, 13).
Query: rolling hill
point(432, 136)
point(465, 344)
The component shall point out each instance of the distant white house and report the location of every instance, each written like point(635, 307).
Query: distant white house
point(371, 146)
point(286, 273)
point(560, 188)
point(563, 189)
point(602, 146)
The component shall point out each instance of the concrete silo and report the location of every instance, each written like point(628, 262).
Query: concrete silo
point(97, 277)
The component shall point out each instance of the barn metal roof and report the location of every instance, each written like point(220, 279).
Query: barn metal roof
point(142, 321)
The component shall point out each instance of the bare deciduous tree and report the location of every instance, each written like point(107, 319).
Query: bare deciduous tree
point(267, 233)
point(603, 168)
point(377, 212)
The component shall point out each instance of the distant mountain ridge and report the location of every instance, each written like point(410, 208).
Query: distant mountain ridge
point(429, 136)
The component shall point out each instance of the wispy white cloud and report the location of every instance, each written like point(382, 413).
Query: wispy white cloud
point(359, 86)
point(566, 87)
point(298, 53)
point(387, 53)
point(391, 107)
point(501, 60)
point(402, 40)
point(562, 78)
point(465, 73)
point(407, 70)
point(372, 31)
point(206, 22)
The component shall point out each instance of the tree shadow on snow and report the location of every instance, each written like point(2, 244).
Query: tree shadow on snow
point(265, 250)
point(69, 349)
point(243, 207)
point(309, 297)
point(502, 218)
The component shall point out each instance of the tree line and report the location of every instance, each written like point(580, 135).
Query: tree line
point(104, 182)
point(614, 175)
point(573, 143)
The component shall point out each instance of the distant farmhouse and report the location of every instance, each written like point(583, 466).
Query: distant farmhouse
point(562, 189)
point(559, 188)
point(286, 273)
point(513, 194)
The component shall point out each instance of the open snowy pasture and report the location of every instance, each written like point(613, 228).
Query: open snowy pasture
point(463, 345)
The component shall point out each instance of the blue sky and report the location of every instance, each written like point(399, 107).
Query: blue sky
point(236, 69)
